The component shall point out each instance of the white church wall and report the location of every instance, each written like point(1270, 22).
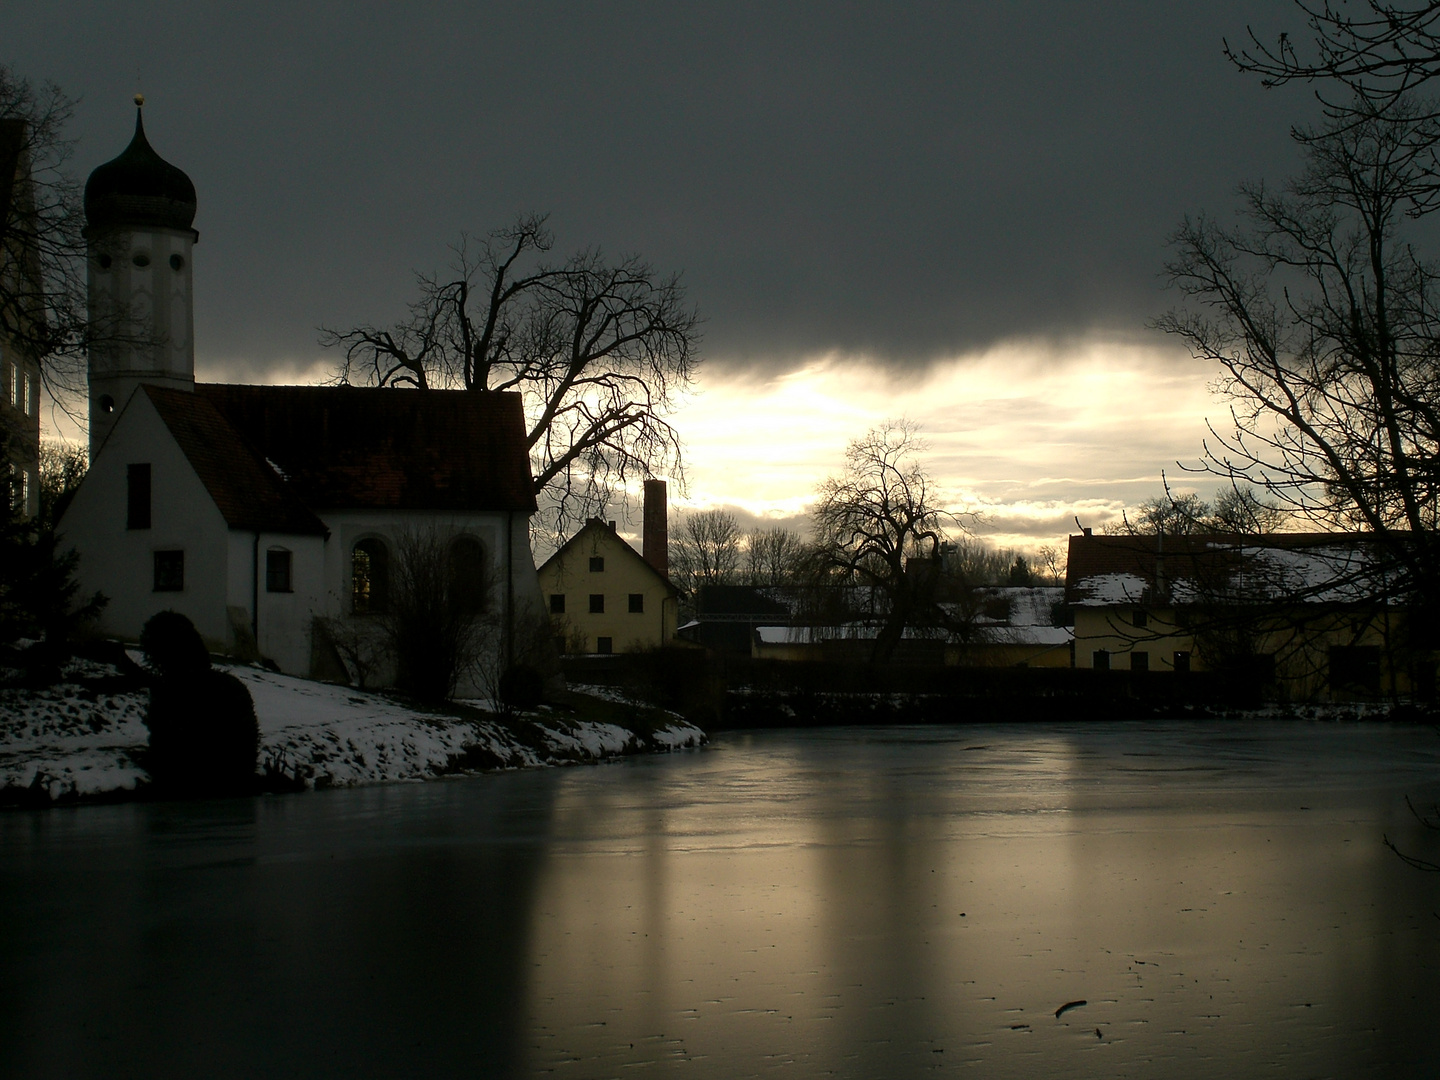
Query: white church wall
point(286, 619)
point(120, 561)
point(347, 527)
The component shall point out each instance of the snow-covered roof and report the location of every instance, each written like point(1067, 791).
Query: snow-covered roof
point(1308, 568)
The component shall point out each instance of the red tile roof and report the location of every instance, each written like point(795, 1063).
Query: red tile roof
point(248, 493)
point(342, 447)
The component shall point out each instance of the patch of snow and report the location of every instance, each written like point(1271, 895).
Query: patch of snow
point(1111, 589)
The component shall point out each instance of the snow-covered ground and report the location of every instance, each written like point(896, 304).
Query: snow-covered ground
point(75, 739)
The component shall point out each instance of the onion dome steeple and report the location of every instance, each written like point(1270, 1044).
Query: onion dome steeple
point(139, 189)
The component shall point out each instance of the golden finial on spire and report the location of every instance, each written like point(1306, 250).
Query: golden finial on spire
point(139, 101)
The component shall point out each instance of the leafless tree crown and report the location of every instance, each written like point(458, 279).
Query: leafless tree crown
point(599, 350)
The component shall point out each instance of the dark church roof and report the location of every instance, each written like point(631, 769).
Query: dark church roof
point(139, 188)
point(342, 447)
point(249, 494)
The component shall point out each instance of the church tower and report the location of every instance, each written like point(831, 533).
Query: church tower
point(138, 210)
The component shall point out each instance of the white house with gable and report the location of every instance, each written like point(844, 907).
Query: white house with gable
point(264, 513)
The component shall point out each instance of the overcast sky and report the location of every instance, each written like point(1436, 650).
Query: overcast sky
point(957, 211)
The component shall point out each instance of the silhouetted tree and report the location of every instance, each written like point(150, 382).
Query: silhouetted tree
point(599, 350)
point(705, 550)
point(876, 519)
point(1321, 316)
point(774, 556)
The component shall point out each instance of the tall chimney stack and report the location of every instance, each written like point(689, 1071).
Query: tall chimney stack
point(655, 532)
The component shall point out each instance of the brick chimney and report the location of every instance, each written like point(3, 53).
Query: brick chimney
point(655, 533)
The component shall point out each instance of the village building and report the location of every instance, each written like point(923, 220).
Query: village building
point(605, 597)
point(20, 290)
point(274, 517)
point(1302, 616)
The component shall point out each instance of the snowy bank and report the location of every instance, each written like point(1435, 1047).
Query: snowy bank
point(85, 737)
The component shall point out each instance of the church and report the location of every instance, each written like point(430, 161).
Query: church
point(272, 516)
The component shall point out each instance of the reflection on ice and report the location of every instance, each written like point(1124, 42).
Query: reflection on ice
point(854, 902)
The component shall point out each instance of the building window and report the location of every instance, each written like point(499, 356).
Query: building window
point(469, 584)
point(597, 603)
point(169, 571)
point(557, 603)
point(1140, 618)
point(637, 603)
point(1101, 660)
point(31, 404)
point(597, 563)
point(369, 576)
point(1139, 660)
point(1182, 661)
point(277, 570)
point(137, 496)
point(1355, 668)
point(605, 645)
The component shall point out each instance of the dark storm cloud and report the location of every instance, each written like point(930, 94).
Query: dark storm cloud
point(895, 181)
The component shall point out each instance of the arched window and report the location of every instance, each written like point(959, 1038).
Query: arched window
point(369, 576)
point(469, 582)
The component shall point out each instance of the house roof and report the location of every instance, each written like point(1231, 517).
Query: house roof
point(595, 529)
point(249, 494)
point(1335, 568)
point(382, 448)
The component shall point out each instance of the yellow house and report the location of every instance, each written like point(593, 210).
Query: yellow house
point(1315, 615)
point(604, 597)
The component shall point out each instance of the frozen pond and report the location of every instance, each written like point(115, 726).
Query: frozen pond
point(857, 903)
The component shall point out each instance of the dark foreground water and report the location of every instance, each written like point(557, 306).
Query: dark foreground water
point(856, 903)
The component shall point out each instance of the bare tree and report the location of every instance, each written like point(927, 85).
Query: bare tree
point(435, 620)
point(599, 350)
point(774, 556)
point(1321, 318)
point(705, 550)
point(878, 524)
point(42, 251)
point(1382, 53)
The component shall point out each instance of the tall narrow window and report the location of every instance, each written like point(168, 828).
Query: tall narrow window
point(169, 571)
point(137, 496)
point(31, 404)
point(277, 570)
point(369, 576)
point(469, 584)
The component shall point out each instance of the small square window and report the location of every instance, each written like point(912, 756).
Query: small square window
point(597, 563)
point(169, 571)
point(597, 603)
point(637, 603)
point(557, 603)
point(1140, 661)
point(605, 645)
point(1101, 661)
point(277, 571)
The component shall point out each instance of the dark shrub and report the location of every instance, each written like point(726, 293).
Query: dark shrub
point(173, 645)
point(522, 687)
point(204, 738)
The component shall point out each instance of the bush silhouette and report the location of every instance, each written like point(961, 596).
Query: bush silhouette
point(204, 738)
